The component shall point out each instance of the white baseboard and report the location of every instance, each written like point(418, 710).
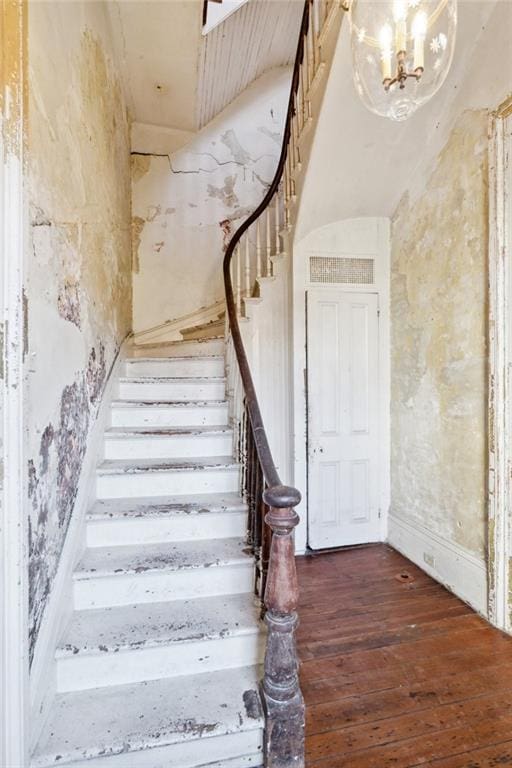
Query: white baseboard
point(460, 571)
point(60, 604)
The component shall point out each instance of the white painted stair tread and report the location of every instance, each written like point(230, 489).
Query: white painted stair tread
point(188, 348)
point(129, 466)
point(126, 718)
point(171, 379)
point(202, 503)
point(149, 624)
point(107, 561)
point(165, 431)
point(165, 403)
point(174, 359)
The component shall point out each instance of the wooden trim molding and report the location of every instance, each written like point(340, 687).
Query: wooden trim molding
point(500, 364)
point(14, 694)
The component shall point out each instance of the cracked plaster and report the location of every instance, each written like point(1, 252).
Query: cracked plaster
point(186, 205)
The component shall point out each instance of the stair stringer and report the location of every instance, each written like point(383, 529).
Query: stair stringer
point(327, 44)
point(267, 340)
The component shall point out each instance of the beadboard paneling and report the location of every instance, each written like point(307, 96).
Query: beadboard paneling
point(260, 35)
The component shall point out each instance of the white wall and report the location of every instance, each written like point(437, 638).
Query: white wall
point(186, 204)
point(368, 237)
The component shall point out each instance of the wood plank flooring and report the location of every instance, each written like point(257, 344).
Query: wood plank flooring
point(398, 674)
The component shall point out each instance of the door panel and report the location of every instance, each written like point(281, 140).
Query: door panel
point(343, 394)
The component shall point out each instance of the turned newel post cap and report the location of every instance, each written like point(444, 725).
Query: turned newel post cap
point(281, 496)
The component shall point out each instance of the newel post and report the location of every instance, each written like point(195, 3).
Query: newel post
point(282, 697)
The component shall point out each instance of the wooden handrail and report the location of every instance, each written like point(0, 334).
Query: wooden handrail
point(272, 517)
point(279, 495)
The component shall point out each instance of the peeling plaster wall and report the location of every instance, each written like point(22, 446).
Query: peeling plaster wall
point(185, 205)
point(78, 287)
point(439, 354)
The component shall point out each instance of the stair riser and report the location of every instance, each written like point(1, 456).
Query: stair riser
point(184, 527)
point(176, 391)
point(78, 673)
point(159, 447)
point(205, 332)
point(182, 416)
point(183, 349)
point(235, 750)
point(178, 368)
point(161, 483)
point(130, 588)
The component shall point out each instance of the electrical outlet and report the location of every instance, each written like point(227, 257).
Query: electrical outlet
point(429, 559)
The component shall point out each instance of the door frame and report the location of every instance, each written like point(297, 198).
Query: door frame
point(361, 237)
point(348, 291)
point(14, 669)
point(500, 366)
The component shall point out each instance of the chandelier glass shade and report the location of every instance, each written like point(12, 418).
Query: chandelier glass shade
point(401, 52)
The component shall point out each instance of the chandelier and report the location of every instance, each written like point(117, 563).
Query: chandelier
point(401, 52)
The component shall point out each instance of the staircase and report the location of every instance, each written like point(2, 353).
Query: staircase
point(159, 665)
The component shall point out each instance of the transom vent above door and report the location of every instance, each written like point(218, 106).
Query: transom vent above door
point(337, 269)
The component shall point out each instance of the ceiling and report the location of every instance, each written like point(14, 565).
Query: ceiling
point(362, 164)
point(175, 77)
point(158, 44)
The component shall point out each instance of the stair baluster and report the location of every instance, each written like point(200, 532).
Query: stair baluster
point(258, 244)
point(248, 266)
point(277, 219)
point(239, 279)
point(268, 243)
point(287, 193)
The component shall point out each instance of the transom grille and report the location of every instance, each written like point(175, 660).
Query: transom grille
point(337, 269)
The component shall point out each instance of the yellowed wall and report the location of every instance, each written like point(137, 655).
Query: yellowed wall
point(439, 353)
point(78, 271)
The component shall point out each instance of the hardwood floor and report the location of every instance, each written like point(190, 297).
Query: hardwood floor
point(398, 674)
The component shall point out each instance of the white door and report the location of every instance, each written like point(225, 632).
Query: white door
point(343, 395)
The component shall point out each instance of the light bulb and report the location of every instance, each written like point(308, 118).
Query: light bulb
point(400, 16)
point(419, 25)
point(399, 10)
point(385, 37)
point(419, 30)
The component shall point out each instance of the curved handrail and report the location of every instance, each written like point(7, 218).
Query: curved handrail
point(276, 494)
